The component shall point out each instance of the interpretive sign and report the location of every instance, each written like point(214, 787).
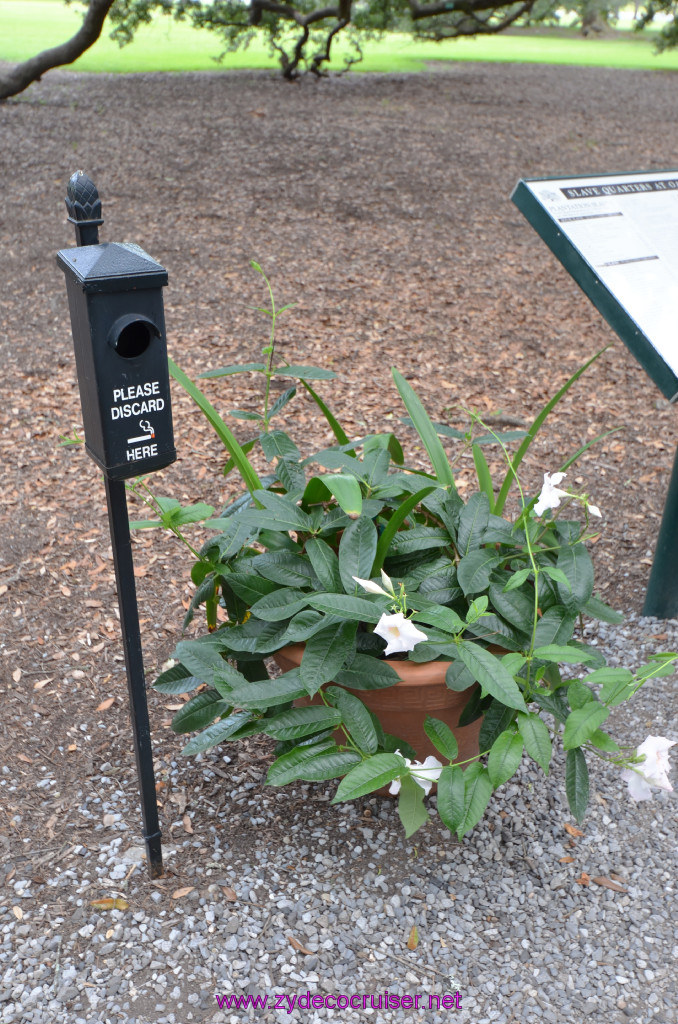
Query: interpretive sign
point(617, 235)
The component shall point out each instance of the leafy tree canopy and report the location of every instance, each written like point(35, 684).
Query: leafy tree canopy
point(302, 32)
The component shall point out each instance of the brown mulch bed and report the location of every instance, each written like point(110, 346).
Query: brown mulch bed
point(381, 206)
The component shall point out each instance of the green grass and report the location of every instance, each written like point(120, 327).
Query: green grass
point(28, 26)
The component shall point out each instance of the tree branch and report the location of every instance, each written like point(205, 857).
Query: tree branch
point(470, 23)
point(22, 75)
point(466, 7)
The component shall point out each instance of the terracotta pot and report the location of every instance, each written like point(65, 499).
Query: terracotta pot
point(402, 708)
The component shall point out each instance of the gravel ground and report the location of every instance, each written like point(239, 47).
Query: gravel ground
point(516, 918)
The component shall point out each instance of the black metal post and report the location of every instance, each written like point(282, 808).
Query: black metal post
point(661, 600)
point(136, 684)
point(84, 210)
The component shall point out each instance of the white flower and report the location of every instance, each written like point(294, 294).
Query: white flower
point(370, 587)
point(399, 633)
point(595, 511)
point(167, 665)
point(386, 580)
point(653, 771)
point(424, 773)
point(550, 494)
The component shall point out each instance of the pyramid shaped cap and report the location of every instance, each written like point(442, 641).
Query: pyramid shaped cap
point(112, 267)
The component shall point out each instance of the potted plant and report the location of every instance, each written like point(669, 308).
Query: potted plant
point(420, 635)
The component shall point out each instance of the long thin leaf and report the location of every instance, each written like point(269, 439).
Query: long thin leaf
point(483, 474)
point(532, 432)
point(585, 447)
point(337, 429)
point(427, 432)
point(393, 525)
point(228, 439)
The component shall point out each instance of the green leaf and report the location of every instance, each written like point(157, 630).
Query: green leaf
point(355, 717)
point(441, 428)
point(491, 674)
point(444, 618)
point(458, 677)
point(483, 474)
point(201, 657)
point(496, 719)
point(371, 774)
point(335, 426)
point(494, 630)
point(325, 654)
point(346, 490)
point(249, 587)
point(269, 692)
point(559, 653)
point(329, 765)
point(617, 685)
point(226, 677)
point(279, 605)
point(472, 523)
point(576, 563)
point(517, 579)
point(578, 694)
point(450, 796)
point(532, 433)
point(516, 606)
point(177, 679)
point(228, 439)
point(367, 673)
point(411, 810)
point(504, 757)
point(280, 403)
point(477, 794)
point(442, 737)
point(284, 567)
point(395, 522)
point(288, 767)
point(304, 625)
point(418, 538)
point(298, 722)
point(245, 414)
point(226, 371)
point(597, 609)
point(577, 783)
point(276, 443)
point(474, 570)
point(427, 432)
point(278, 512)
point(357, 609)
point(582, 723)
point(325, 564)
point(501, 437)
point(555, 626)
point(199, 712)
point(217, 732)
point(536, 738)
point(305, 372)
point(291, 475)
point(357, 550)
point(602, 741)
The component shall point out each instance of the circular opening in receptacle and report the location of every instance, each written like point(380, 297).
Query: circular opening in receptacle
point(133, 339)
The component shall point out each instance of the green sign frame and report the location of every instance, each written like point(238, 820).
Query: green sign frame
point(541, 200)
point(582, 269)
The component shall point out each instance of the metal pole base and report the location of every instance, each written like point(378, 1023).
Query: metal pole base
point(136, 683)
point(661, 600)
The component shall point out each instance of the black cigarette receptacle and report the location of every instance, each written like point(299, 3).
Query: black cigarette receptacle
point(118, 324)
